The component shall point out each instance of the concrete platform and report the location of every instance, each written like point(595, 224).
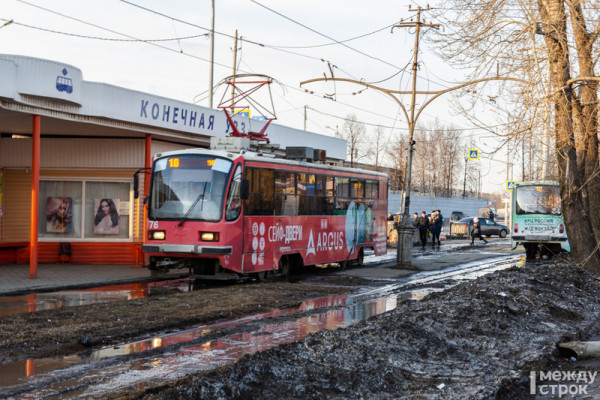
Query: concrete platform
point(14, 278)
point(449, 254)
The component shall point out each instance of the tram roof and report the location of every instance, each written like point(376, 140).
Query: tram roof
point(270, 158)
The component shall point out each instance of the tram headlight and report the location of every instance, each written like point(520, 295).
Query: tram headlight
point(157, 235)
point(209, 236)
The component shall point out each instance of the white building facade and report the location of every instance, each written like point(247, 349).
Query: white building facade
point(72, 144)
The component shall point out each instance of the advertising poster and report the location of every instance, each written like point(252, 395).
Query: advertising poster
point(106, 220)
point(59, 214)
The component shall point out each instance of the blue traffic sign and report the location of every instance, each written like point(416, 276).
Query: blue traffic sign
point(473, 154)
point(510, 185)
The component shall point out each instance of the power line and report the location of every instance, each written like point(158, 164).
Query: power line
point(322, 34)
point(115, 32)
point(105, 38)
point(336, 42)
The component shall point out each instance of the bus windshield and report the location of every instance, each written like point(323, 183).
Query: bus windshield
point(538, 199)
point(189, 186)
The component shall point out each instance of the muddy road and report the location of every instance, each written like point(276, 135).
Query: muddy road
point(288, 334)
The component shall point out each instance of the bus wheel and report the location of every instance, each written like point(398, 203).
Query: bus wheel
point(530, 250)
point(546, 251)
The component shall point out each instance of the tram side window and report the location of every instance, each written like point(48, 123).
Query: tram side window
point(357, 189)
point(286, 201)
point(372, 190)
point(329, 195)
point(260, 199)
point(306, 194)
point(319, 200)
point(252, 203)
point(234, 202)
point(342, 195)
point(267, 187)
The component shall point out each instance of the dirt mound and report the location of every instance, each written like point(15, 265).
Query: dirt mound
point(472, 341)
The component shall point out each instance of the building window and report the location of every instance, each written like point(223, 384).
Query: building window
point(107, 210)
point(89, 210)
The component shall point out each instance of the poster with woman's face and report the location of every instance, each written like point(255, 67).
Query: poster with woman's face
point(106, 219)
point(59, 214)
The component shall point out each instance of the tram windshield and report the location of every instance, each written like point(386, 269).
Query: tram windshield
point(538, 199)
point(189, 186)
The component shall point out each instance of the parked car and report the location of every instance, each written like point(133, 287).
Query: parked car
point(457, 216)
point(464, 227)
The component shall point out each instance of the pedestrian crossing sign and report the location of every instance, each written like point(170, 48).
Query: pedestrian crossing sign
point(473, 154)
point(510, 185)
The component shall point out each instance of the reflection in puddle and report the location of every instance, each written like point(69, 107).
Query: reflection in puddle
point(54, 300)
point(96, 375)
point(346, 310)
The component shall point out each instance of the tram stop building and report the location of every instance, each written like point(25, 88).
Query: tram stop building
point(69, 147)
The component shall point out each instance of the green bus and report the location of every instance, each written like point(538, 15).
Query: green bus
point(537, 220)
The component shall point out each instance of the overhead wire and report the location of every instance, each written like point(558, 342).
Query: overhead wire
point(152, 41)
point(115, 32)
point(106, 38)
point(322, 34)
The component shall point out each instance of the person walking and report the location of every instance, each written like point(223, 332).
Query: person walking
point(476, 231)
point(436, 221)
point(423, 227)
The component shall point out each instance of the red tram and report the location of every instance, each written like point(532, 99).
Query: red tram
point(224, 214)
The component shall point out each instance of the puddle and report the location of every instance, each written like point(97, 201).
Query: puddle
point(54, 300)
point(98, 374)
point(105, 294)
point(211, 354)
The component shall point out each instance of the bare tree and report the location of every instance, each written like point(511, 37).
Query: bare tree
point(376, 147)
point(354, 132)
point(554, 45)
point(396, 151)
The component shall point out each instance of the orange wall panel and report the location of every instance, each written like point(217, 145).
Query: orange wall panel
point(90, 253)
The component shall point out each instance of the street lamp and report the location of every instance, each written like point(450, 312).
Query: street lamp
point(334, 130)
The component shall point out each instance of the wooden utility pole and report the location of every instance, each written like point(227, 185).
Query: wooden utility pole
point(235, 45)
point(212, 56)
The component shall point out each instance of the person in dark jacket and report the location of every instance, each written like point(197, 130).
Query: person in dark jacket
point(423, 227)
point(476, 231)
point(436, 222)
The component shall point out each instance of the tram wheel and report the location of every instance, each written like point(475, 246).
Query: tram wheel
point(262, 276)
point(285, 267)
point(360, 258)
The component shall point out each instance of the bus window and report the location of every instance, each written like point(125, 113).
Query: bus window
point(538, 200)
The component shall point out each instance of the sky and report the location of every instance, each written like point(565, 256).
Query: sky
point(163, 48)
